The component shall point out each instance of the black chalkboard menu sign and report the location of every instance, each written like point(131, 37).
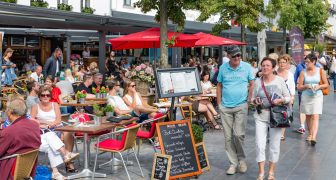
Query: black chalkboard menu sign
point(176, 139)
point(161, 167)
point(202, 156)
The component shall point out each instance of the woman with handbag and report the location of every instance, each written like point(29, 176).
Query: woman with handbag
point(265, 87)
point(311, 82)
point(288, 77)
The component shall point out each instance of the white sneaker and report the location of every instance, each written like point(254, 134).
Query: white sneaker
point(242, 167)
point(70, 156)
point(58, 176)
point(232, 170)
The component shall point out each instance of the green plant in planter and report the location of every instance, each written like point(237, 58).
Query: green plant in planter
point(197, 132)
point(64, 7)
point(88, 10)
point(9, 1)
point(109, 108)
point(38, 3)
point(98, 111)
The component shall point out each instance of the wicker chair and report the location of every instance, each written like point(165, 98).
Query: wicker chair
point(24, 164)
point(112, 145)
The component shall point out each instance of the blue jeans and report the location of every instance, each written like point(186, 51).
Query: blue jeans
point(334, 80)
point(67, 109)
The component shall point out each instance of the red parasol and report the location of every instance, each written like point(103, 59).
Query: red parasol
point(150, 38)
point(211, 40)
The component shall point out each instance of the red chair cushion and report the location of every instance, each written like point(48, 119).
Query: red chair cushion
point(111, 144)
point(149, 134)
point(144, 134)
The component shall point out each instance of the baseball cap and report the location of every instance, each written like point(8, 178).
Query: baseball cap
point(233, 50)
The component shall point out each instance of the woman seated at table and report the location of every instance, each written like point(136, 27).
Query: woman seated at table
point(68, 76)
point(49, 115)
point(132, 98)
point(121, 108)
point(81, 72)
point(55, 91)
point(205, 82)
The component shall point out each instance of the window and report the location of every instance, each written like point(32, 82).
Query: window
point(127, 2)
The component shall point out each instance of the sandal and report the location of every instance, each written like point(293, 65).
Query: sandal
point(260, 177)
point(218, 127)
point(271, 176)
point(217, 116)
point(309, 138)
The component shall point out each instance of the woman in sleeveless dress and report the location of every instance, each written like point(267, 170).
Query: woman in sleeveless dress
point(312, 96)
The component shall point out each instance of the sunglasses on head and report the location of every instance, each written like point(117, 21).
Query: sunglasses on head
point(237, 55)
point(45, 95)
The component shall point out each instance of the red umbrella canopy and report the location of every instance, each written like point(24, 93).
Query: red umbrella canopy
point(150, 38)
point(211, 40)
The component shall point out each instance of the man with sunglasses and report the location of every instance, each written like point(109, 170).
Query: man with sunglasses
point(234, 91)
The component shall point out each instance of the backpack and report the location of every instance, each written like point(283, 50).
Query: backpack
point(328, 60)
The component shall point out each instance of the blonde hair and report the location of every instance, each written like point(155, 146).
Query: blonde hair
point(285, 57)
point(127, 85)
point(8, 50)
point(274, 56)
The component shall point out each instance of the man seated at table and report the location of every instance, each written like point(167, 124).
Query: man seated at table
point(32, 99)
point(66, 91)
point(120, 107)
point(85, 85)
point(13, 142)
point(37, 75)
point(97, 81)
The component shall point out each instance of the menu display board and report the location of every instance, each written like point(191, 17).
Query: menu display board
point(161, 167)
point(202, 156)
point(176, 139)
point(175, 82)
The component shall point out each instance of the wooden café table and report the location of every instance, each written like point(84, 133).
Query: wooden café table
point(86, 130)
point(178, 105)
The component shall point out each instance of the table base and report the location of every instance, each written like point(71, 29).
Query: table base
point(116, 164)
point(86, 173)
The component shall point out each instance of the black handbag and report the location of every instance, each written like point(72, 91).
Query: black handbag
point(279, 114)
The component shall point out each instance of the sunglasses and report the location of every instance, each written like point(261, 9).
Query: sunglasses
point(237, 55)
point(132, 85)
point(45, 95)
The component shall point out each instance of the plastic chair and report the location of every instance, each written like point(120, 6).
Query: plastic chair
point(23, 164)
point(148, 135)
point(112, 145)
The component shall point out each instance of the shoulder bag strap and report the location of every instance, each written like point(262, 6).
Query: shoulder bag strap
point(263, 87)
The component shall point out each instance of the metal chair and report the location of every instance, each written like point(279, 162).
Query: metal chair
point(151, 133)
point(107, 144)
point(23, 164)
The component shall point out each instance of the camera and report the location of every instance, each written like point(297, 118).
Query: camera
point(258, 109)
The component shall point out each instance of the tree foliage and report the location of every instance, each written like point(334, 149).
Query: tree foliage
point(309, 15)
point(244, 12)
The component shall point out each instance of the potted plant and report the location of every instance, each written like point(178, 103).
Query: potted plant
point(96, 91)
point(104, 91)
point(88, 10)
point(197, 132)
point(109, 110)
point(98, 114)
point(64, 7)
point(9, 1)
point(81, 95)
point(39, 3)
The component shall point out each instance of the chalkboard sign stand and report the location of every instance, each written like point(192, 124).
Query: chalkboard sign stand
point(161, 167)
point(202, 156)
point(181, 133)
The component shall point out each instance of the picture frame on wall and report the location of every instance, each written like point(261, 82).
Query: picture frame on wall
point(18, 41)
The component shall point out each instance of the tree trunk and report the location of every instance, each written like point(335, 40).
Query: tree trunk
point(243, 39)
point(163, 33)
point(284, 36)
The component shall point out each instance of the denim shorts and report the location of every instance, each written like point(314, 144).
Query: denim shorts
point(142, 117)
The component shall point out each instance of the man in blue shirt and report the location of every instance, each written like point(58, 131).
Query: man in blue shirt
point(234, 90)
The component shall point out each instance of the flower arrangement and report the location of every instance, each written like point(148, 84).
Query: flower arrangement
point(104, 90)
point(81, 94)
point(143, 73)
point(75, 56)
point(95, 90)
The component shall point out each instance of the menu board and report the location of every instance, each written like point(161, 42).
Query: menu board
point(161, 166)
point(176, 139)
point(202, 156)
point(175, 82)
